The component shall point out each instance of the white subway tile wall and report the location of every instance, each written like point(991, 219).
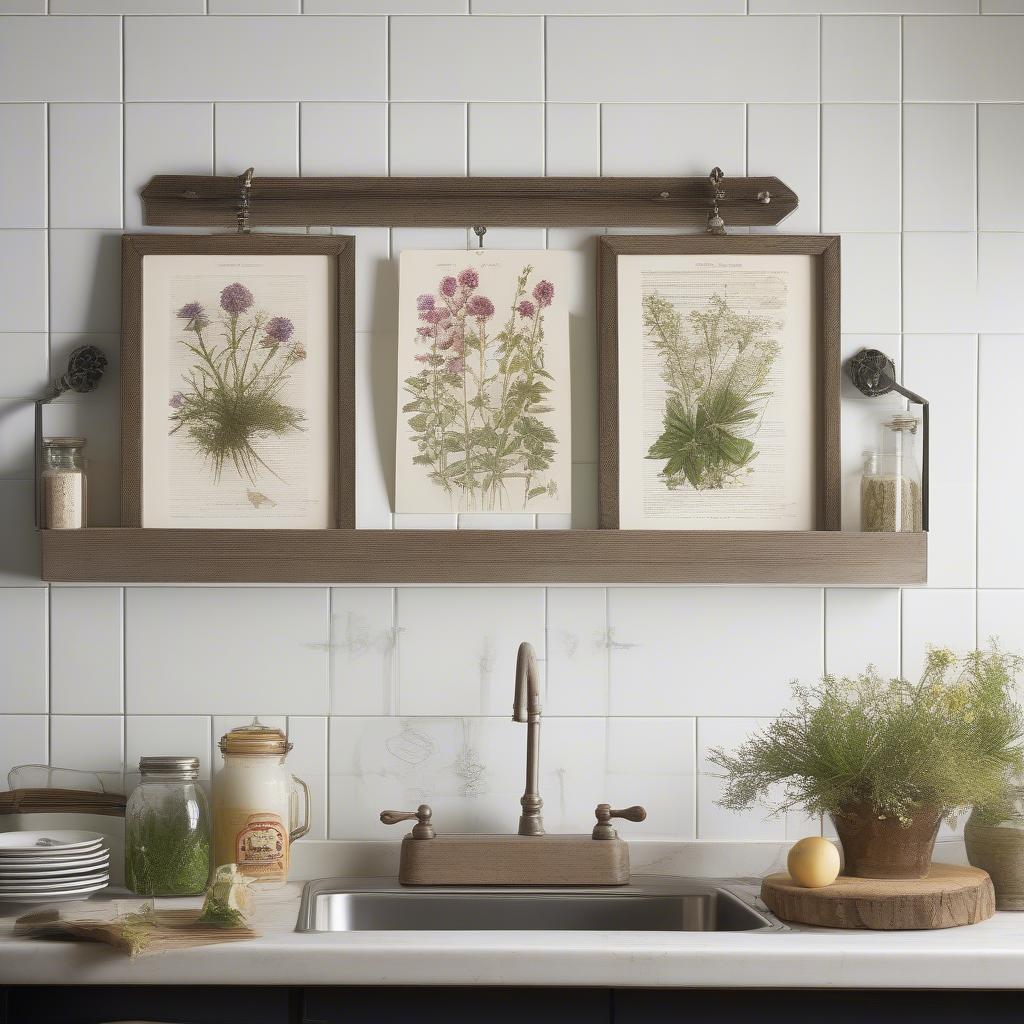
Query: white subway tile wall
point(899, 124)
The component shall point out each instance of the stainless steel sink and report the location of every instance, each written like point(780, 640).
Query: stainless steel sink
point(648, 904)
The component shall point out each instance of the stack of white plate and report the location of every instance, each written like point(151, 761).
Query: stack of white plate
point(53, 866)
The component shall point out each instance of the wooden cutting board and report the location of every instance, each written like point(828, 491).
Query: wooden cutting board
point(949, 896)
point(160, 930)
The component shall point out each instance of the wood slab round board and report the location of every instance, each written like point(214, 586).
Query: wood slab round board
point(949, 896)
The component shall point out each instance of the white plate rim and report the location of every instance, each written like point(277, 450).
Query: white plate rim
point(65, 886)
point(51, 854)
point(75, 839)
point(51, 897)
point(51, 866)
point(42, 876)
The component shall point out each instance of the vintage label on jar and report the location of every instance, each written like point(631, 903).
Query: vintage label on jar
point(261, 845)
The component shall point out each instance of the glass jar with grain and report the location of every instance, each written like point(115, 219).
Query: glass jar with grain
point(63, 483)
point(891, 498)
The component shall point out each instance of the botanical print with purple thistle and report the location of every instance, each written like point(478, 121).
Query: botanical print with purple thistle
point(478, 408)
point(231, 397)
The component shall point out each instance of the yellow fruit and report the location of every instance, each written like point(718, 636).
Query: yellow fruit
point(813, 862)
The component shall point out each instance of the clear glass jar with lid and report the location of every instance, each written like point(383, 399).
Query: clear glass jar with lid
point(891, 496)
point(167, 831)
point(64, 485)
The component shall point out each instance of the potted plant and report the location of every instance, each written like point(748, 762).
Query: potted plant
point(888, 759)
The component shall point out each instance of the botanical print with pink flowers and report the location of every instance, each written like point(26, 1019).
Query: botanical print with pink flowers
point(237, 358)
point(483, 383)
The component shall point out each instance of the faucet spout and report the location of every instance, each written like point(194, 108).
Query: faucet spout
point(526, 708)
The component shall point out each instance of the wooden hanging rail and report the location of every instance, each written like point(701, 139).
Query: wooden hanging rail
point(209, 201)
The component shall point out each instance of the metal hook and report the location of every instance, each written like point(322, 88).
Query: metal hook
point(874, 374)
point(84, 370)
point(479, 230)
point(716, 225)
point(244, 191)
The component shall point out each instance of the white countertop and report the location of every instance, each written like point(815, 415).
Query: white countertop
point(987, 955)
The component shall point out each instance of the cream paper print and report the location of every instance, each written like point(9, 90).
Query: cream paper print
point(238, 360)
point(483, 382)
point(717, 426)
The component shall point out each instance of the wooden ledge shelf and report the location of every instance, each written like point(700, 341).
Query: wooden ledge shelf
point(482, 556)
point(185, 200)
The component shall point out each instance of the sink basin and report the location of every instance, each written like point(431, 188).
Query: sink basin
point(648, 904)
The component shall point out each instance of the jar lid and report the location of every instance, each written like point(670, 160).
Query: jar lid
point(254, 738)
point(167, 766)
point(63, 442)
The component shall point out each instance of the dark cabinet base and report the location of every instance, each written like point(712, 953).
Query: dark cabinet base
point(180, 1004)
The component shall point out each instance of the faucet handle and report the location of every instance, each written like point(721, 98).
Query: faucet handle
point(605, 812)
point(422, 829)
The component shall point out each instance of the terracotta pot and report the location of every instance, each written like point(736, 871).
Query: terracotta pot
point(875, 847)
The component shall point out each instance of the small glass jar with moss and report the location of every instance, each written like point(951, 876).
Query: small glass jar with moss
point(167, 830)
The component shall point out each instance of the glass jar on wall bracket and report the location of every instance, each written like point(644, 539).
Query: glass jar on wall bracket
point(63, 483)
point(891, 494)
point(167, 830)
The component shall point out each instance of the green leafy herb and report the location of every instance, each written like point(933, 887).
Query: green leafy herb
point(715, 364)
point(167, 852)
point(951, 740)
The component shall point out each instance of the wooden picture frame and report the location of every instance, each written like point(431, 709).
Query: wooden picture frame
point(825, 249)
point(340, 253)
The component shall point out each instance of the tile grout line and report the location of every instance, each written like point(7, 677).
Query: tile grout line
point(902, 143)
point(330, 651)
point(977, 374)
point(821, 120)
point(124, 680)
point(696, 776)
point(977, 471)
point(48, 648)
point(396, 657)
point(47, 217)
point(824, 629)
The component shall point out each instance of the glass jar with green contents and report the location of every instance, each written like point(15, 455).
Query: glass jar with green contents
point(167, 830)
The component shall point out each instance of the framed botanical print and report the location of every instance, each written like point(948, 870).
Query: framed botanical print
point(483, 382)
point(237, 363)
point(719, 368)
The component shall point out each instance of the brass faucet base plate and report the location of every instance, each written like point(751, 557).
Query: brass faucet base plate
point(514, 860)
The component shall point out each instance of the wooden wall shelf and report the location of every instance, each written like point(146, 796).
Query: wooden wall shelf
point(482, 556)
point(209, 201)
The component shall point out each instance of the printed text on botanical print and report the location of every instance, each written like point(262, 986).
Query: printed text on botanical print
point(722, 434)
point(483, 361)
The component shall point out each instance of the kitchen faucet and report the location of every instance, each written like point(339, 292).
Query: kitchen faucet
point(531, 857)
point(527, 709)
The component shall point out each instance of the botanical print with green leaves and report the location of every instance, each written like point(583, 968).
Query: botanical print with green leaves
point(715, 363)
point(479, 407)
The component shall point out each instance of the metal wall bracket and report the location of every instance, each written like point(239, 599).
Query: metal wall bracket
point(244, 194)
point(86, 366)
point(874, 374)
point(716, 223)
